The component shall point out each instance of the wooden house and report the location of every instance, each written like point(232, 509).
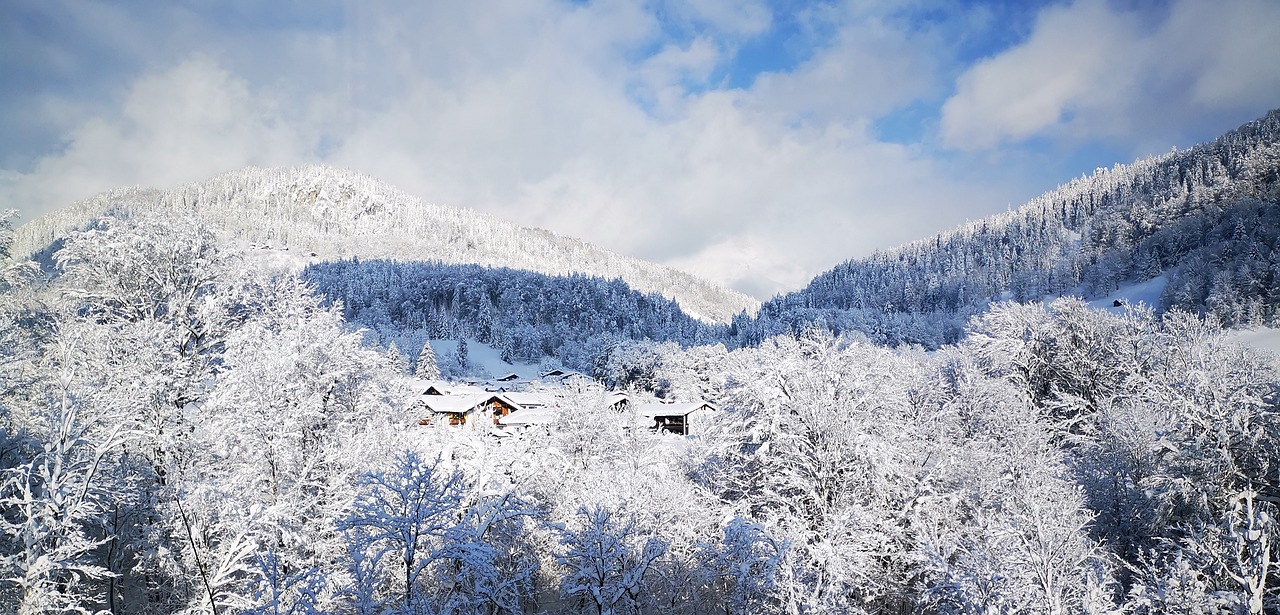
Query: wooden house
point(456, 409)
point(682, 419)
point(475, 407)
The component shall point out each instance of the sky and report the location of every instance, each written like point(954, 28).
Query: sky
point(754, 143)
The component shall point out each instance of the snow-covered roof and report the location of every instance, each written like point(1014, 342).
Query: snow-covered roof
point(529, 416)
point(420, 386)
point(470, 399)
point(442, 387)
point(524, 400)
point(677, 409)
point(457, 404)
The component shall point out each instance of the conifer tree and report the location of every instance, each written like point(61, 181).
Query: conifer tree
point(427, 367)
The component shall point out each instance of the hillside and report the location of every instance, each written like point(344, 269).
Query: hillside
point(1206, 217)
point(342, 214)
point(527, 316)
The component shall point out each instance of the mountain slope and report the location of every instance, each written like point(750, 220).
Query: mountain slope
point(342, 214)
point(1206, 216)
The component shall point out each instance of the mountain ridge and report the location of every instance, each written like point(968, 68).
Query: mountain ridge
point(341, 214)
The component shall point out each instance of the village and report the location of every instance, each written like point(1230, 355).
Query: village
point(511, 405)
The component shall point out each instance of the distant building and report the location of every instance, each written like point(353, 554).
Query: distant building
point(683, 419)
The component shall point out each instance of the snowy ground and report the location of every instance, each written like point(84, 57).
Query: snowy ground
point(1147, 293)
point(277, 259)
point(1266, 339)
point(1259, 338)
point(488, 358)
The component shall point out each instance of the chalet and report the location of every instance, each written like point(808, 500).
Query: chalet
point(682, 419)
point(472, 407)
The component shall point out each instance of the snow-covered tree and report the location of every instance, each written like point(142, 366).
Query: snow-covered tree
point(743, 567)
point(399, 519)
point(427, 367)
point(54, 504)
point(606, 559)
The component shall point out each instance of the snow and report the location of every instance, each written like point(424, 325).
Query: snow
point(1147, 293)
point(485, 359)
point(526, 400)
point(457, 404)
point(529, 416)
point(1266, 339)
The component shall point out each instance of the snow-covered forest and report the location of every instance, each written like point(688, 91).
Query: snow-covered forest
point(182, 431)
point(1207, 215)
point(527, 316)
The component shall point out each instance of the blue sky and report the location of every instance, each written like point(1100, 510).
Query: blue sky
point(754, 143)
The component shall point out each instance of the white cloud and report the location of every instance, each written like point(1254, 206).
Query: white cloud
point(536, 111)
point(1091, 70)
point(177, 126)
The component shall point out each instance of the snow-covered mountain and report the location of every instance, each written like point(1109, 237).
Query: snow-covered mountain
point(1205, 218)
point(341, 214)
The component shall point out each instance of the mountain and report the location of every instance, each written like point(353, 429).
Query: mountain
point(342, 214)
point(1207, 218)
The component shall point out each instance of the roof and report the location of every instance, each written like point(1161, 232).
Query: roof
point(526, 400)
point(678, 409)
point(530, 416)
point(470, 399)
point(457, 404)
point(437, 388)
point(420, 386)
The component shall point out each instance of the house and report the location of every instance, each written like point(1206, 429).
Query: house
point(458, 409)
point(682, 419)
point(467, 405)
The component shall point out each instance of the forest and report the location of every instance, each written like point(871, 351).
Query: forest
point(1206, 215)
point(528, 317)
point(182, 431)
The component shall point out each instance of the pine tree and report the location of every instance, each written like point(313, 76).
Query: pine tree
point(463, 360)
point(427, 367)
